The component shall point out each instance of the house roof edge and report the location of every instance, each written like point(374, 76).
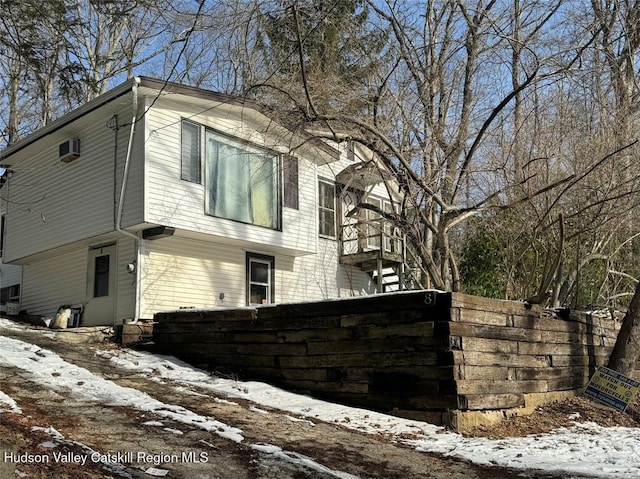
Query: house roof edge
point(68, 118)
point(161, 86)
point(196, 92)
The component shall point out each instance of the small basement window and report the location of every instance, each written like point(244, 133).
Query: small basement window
point(260, 279)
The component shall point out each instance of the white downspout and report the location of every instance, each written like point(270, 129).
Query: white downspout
point(139, 246)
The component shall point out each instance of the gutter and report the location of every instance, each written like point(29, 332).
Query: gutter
point(139, 245)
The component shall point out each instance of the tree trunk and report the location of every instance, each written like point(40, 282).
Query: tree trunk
point(627, 349)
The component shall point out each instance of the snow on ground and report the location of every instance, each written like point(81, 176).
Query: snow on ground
point(585, 449)
point(8, 401)
point(47, 368)
point(58, 439)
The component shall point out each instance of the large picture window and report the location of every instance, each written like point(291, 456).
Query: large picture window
point(242, 182)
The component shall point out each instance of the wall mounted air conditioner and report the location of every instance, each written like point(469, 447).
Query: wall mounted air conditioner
point(69, 150)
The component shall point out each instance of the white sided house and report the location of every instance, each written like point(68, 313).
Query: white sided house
point(158, 196)
point(10, 275)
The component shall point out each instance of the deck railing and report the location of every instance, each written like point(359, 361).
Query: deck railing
point(371, 235)
point(377, 243)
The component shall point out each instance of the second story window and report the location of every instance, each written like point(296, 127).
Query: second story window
point(327, 208)
point(190, 168)
point(1, 236)
point(290, 181)
point(242, 181)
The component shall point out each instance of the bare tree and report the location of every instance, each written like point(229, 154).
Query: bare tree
point(33, 38)
point(223, 53)
point(519, 115)
point(626, 351)
point(619, 25)
point(432, 111)
point(12, 78)
point(110, 39)
point(59, 54)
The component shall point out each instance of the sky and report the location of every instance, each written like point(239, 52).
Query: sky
point(584, 449)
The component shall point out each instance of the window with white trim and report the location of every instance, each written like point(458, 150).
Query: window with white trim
point(190, 169)
point(242, 181)
point(327, 208)
point(290, 182)
point(391, 232)
point(373, 230)
point(260, 279)
point(10, 293)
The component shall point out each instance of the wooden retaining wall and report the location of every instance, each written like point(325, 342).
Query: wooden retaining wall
point(510, 357)
point(451, 359)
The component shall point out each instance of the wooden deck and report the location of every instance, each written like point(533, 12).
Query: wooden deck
point(368, 260)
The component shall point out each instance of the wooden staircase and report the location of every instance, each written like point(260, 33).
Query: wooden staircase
point(379, 250)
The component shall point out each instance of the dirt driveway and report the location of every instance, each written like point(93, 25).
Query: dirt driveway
point(142, 444)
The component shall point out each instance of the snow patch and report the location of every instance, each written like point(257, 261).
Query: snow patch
point(153, 423)
point(297, 419)
point(9, 401)
point(16, 353)
point(299, 460)
point(584, 448)
point(59, 439)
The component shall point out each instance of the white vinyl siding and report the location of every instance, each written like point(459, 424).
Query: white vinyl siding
point(125, 281)
point(173, 202)
point(55, 203)
point(204, 264)
point(133, 207)
point(187, 273)
point(320, 276)
point(53, 282)
point(10, 275)
point(62, 279)
point(182, 273)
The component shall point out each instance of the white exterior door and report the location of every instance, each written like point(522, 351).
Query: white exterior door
point(101, 287)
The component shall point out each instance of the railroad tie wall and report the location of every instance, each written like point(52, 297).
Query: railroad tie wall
point(380, 352)
point(441, 357)
point(510, 355)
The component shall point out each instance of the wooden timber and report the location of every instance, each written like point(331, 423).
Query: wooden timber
point(417, 354)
